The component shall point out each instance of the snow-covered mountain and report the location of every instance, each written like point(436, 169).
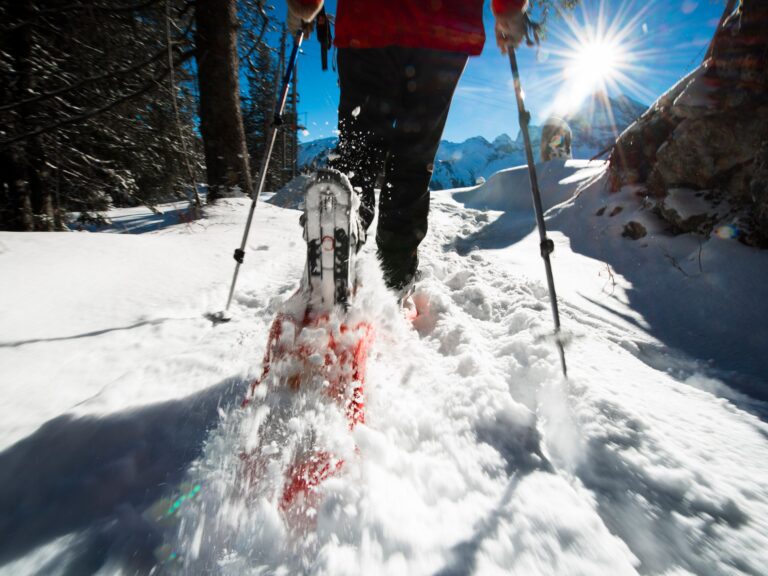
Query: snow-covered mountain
point(316, 151)
point(596, 124)
point(600, 120)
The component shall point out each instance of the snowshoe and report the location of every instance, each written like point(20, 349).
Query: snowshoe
point(331, 232)
point(314, 365)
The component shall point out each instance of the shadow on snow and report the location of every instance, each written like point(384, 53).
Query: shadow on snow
point(737, 363)
point(95, 475)
point(18, 343)
point(141, 220)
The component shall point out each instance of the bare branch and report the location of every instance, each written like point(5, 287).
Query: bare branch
point(87, 80)
point(96, 7)
point(77, 7)
point(153, 83)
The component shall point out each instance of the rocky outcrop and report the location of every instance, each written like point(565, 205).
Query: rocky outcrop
point(708, 136)
point(759, 192)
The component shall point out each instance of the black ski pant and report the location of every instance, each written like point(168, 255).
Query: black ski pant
point(393, 107)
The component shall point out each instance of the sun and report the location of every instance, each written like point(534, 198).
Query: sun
point(591, 67)
point(595, 63)
point(596, 55)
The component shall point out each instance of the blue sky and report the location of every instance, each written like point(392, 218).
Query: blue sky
point(663, 41)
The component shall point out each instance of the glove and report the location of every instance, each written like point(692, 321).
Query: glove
point(510, 23)
point(301, 15)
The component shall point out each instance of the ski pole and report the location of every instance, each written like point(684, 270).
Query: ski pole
point(276, 124)
point(546, 245)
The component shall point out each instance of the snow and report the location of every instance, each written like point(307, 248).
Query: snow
point(121, 425)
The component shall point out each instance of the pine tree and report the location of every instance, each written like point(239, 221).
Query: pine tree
point(259, 105)
point(87, 117)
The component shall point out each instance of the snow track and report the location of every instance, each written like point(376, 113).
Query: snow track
point(476, 457)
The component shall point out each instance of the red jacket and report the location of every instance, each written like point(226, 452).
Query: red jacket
point(455, 25)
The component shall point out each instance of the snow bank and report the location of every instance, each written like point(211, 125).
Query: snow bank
point(702, 296)
point(509, 190)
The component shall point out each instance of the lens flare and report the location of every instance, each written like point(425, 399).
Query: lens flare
point(183, 498)
point(727, 232)
point(596, 54)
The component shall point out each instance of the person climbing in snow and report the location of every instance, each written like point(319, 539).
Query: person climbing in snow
point(399, 62)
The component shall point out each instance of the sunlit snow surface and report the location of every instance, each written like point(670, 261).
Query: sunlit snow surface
point(121, 422)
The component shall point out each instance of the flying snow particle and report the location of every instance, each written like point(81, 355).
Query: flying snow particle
point(356, 112)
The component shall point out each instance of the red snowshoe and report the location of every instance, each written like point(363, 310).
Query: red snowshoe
point(315, 360)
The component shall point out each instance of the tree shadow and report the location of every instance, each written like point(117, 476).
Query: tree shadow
point(18, 343)
point(146, 220)
point(95, 474)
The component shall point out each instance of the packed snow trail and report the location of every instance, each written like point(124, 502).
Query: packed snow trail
point(475, 456)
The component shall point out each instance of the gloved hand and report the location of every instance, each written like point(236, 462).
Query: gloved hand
point(510, 23)
point(301, 15)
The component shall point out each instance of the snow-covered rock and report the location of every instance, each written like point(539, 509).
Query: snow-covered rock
point(708, 134)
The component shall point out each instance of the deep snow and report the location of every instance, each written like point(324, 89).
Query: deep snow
point(120, 422)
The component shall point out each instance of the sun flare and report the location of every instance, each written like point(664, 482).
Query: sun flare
point(595, 62)
point(596, 55)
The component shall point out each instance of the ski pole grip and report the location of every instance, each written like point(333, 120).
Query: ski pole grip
point(239, 255)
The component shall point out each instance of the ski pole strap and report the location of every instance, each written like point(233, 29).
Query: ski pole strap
point(547, 247)
point(239, 255)
point(324, 36)
point(532, 31)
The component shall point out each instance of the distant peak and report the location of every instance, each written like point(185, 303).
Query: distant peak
point(600, 108)
point(477, 139)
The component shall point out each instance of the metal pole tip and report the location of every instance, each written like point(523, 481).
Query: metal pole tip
point(218, 317)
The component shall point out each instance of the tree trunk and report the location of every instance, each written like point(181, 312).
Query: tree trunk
point(221, 122)
point(27, 201)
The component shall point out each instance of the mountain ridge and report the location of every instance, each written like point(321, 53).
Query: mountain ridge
point(595, 125)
